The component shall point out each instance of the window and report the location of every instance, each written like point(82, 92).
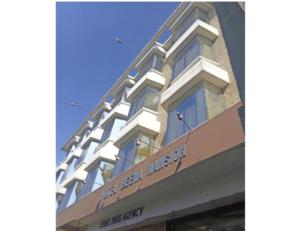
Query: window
point(70, 195)
point(148, 97)
point(86, 154)
point(189, 53)
point(133, 153)
point(197, 13)
point(70, 168)
point(59, 176)
point(155, 61)
point(106, 132)
point(193, 109)
point(120, 97)
point(112, 129)
point(97, 177)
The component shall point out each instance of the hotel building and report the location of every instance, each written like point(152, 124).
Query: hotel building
point(163, 150)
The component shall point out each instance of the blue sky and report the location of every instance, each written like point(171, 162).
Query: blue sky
point(89, 61)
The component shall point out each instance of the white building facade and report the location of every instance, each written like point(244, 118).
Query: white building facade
point(167, 153)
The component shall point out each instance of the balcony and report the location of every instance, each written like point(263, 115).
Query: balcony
point(151, 78)
point(61, 190)
point(198, 27)
point(200, 69)
point(78, 175)
point(106, 151)
point(144, 120)
point(63, 166)
point(76, 153)
point(95, 135)
point(121, 111)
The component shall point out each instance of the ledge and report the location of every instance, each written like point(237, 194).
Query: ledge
point(95, 135)
point(76, 153)
point(198, 27)
point(121, 111)
point(151, 78)
point(144, 120)
point(157, 48)
point(61, 190)
point(62, 166)
point(199, 70)
point(107, 152)
point(78, 175)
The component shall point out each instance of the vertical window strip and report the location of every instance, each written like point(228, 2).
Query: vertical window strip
point(188, 54)
point(106, 132)
point(126, 154)
point(193, 110)
point(197, 13)
point(148, 97)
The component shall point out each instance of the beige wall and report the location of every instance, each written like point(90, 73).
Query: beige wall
point(216, 100)
point(231, 95)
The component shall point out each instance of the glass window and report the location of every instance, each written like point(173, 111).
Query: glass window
point(193, 109)
point(144, 148)
point(59, 176)
point(106, 131)
point(133, 153)
point(148, 97)
point(70, 168)
point(87, 153)
point(97, 177)
point(197, 13)
point(189, 53)
point(112, 129)
point(155, 61)
point(70, 196)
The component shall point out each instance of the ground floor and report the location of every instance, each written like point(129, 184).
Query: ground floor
point(226, 218)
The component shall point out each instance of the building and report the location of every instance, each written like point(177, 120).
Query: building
point(167, 153)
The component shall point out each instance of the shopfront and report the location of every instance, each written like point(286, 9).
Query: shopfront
point(228, 218)
point(181, 187)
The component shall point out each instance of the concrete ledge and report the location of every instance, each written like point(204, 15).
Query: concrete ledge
point(95, 135)
point(144, 120)
point(107, 152)
point(76, 153)
point(62, 166)
point(61, 190)
point(151, 78)
point(199, 70)
point(157, 48)
point(121, 111)
point(198, 27)
point(78, 175)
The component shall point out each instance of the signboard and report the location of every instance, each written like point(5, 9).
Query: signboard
point(128, 215)
point(153, 167)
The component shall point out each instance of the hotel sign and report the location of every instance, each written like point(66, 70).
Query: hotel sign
point(166, 160)
point(152, 168)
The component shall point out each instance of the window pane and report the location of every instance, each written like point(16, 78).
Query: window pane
point(106, 174)
point(106, 132)
point(193, 110)
point(188, 54)
point(148, 97)
point(126, 157)
point(144, 149)
point(151, 99)
point(117, 125)
point(197, 13)
point(69, 197)
point(192, 53)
